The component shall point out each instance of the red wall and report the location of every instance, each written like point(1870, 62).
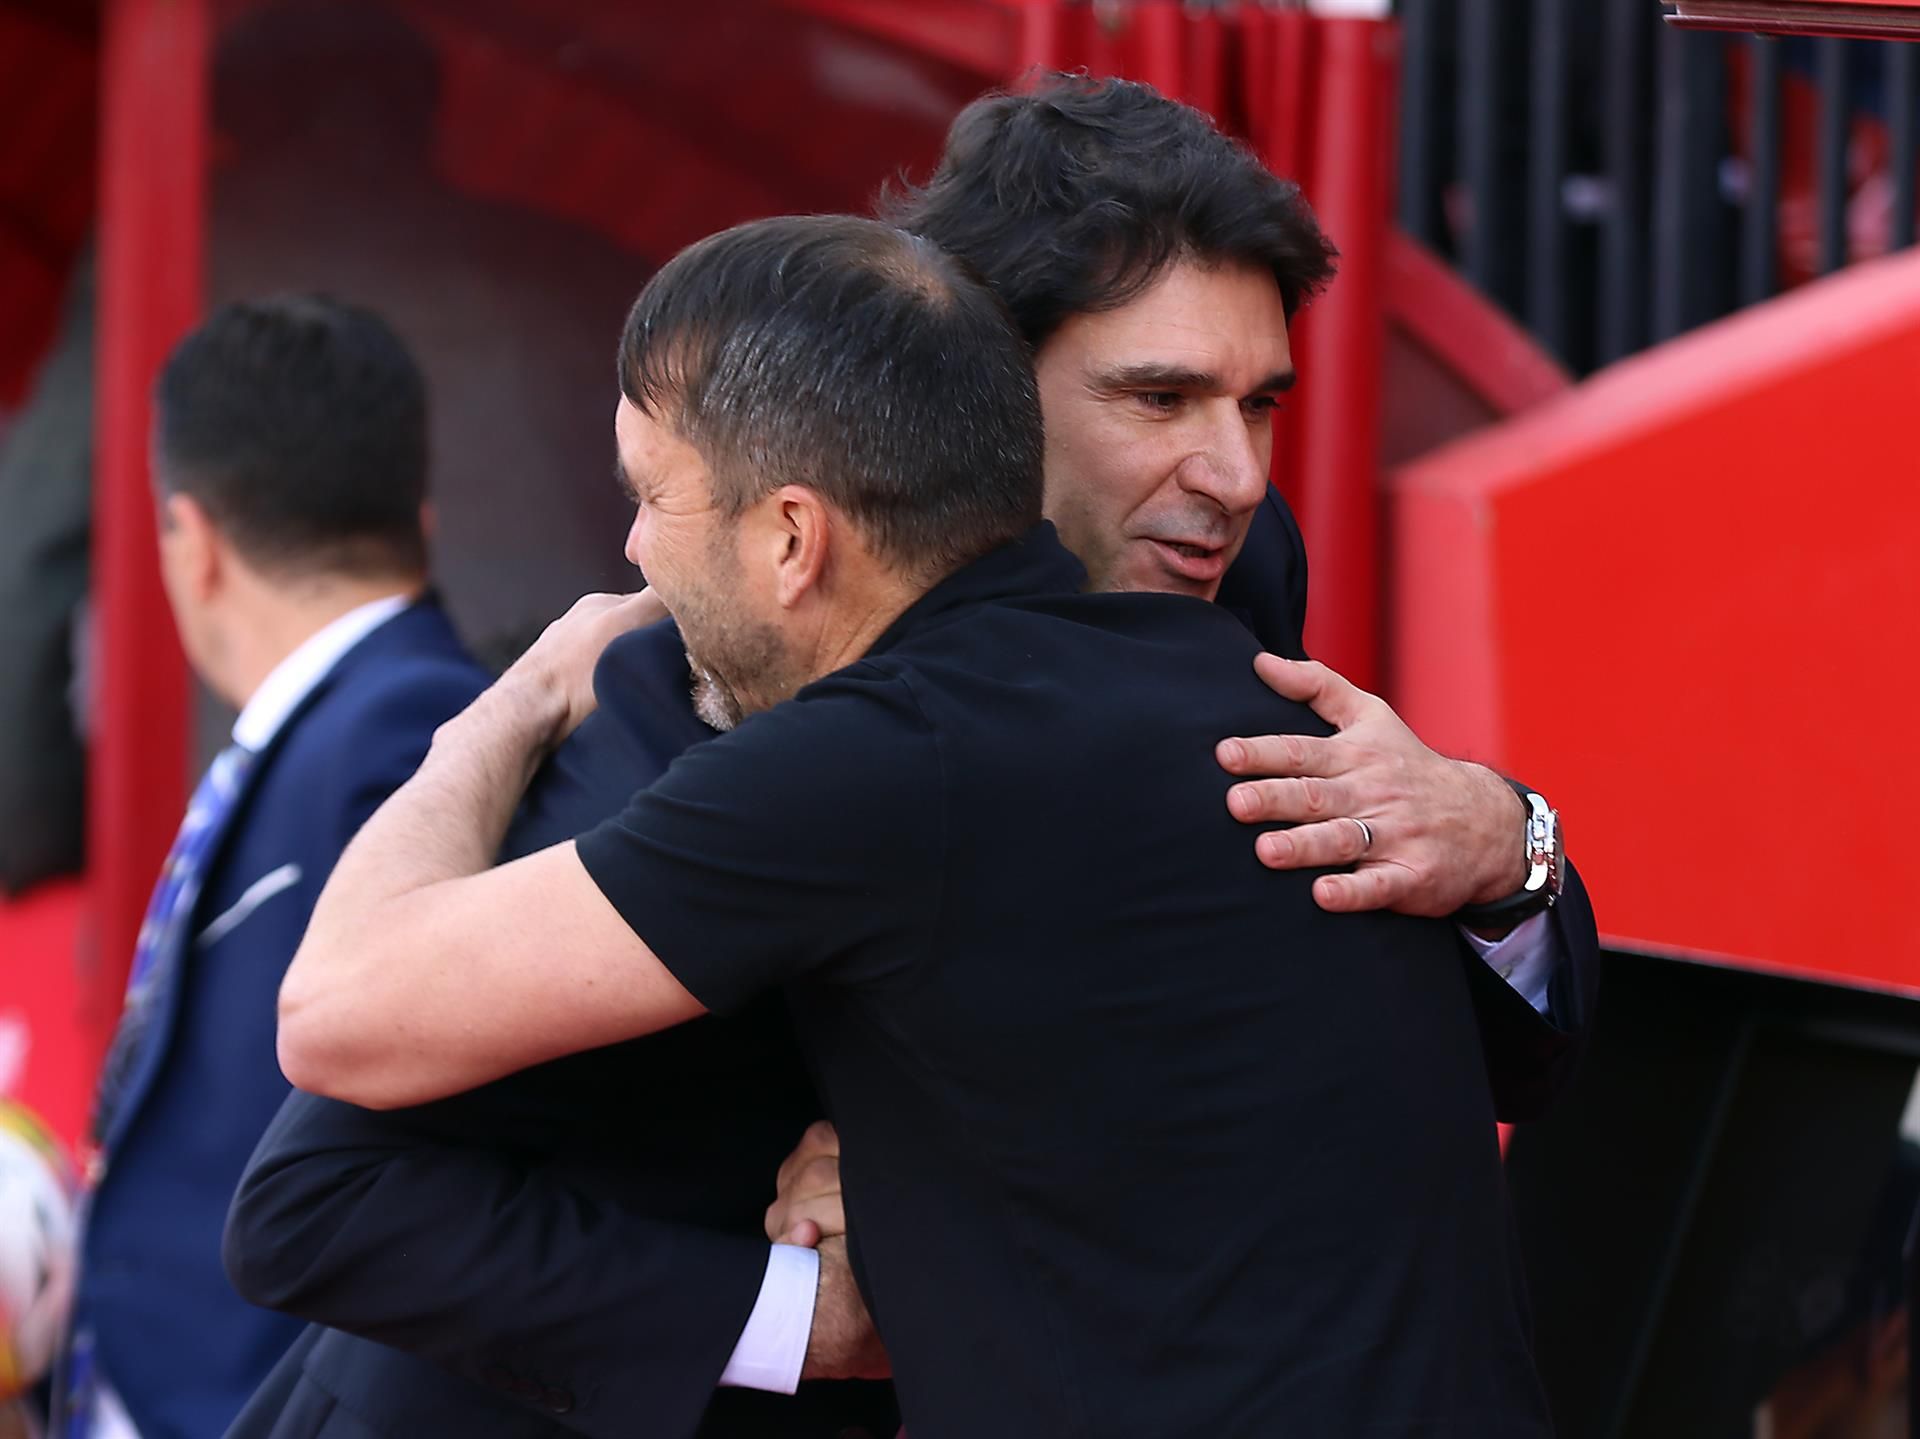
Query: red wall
point(1684, 599)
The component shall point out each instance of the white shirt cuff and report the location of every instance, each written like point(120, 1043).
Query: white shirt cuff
point(1526, 959)
point(773, 1347)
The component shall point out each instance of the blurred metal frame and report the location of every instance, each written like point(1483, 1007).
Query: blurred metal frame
point(1845, 19)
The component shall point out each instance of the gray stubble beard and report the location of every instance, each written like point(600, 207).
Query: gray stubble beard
point(715, 704)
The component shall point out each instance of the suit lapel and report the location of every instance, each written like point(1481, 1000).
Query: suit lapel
point(169, 969)
point(420, 627)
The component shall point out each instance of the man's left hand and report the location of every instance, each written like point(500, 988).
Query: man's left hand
point(1444, 833)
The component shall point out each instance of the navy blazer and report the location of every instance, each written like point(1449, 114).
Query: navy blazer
point(533, 1291)
point(180, 1348)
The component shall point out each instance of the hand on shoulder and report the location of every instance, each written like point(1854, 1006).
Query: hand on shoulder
point(1425, 834)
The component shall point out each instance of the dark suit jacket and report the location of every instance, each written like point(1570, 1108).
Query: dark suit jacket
point(571, 1287)
point(183, 1351)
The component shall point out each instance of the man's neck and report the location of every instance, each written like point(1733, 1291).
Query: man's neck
point(856, 628)
point(278, 620)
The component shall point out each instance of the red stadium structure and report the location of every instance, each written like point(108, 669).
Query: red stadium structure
point(1681, 595)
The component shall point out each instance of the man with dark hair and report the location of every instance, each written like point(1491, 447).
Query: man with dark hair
point(1157, 395)
point(1015, 1026)
point(1075, 196)
point(237, 404)
point(290, 457)
point(1153, 265)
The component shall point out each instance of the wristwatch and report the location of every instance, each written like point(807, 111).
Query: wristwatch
point(1546, 869)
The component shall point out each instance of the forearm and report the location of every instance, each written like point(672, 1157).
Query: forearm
point(1499, 856)
point(445, 822)
point(342, 1220)
point(442, 825)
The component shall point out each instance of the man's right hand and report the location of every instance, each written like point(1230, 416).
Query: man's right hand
point(843, 1343)
point(1427, 834)
point(806, 1207)
point(807, 1211)
point(555, 675)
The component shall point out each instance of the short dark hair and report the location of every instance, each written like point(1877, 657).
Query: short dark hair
point(1074, 197)
point(853, 358)
point(300, 424)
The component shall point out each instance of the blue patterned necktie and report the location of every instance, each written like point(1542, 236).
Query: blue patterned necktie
point(158, 949)
point(156, 953)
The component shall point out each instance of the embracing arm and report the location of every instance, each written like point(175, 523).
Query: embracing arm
point(1444, 832)
point(1438, 834)
point(344, 1218)
point(423, 971)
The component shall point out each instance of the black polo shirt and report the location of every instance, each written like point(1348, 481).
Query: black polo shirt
point(1137, 1140)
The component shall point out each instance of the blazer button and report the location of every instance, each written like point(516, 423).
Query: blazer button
point(560, 1401)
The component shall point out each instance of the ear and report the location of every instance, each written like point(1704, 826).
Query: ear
point(429, 520)
point(192, 547)
point(802, 534)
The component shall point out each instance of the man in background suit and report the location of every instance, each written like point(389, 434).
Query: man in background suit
point(290, 461)
point(486, 1293)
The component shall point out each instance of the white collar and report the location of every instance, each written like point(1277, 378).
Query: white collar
point(293, 679)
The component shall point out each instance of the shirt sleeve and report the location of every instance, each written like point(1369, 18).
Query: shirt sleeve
point(804, 844)
point(1526, 959)
point(772, 1350)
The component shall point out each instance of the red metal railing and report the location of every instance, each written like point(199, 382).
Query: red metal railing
point(153, 146)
